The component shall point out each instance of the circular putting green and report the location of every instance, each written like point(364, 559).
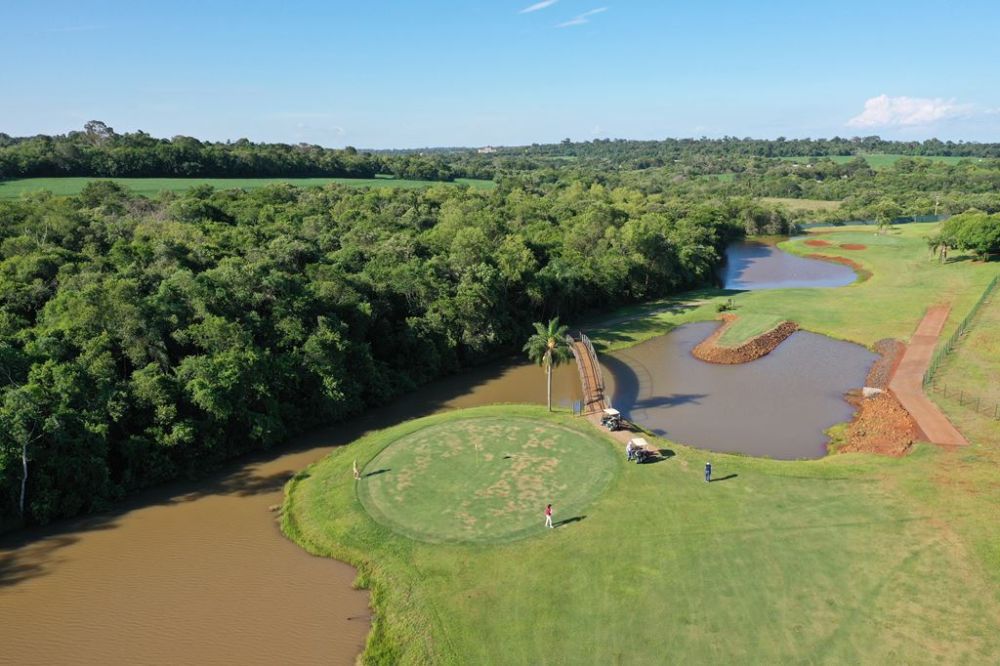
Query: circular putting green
point(485, 479)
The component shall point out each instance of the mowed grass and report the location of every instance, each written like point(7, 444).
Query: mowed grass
point(746, 326)
point(969, 479)
point(967, 384)
point(484, 479)
point(904, 283)
point(879, 161)
point(151, 186)
point(828, 561)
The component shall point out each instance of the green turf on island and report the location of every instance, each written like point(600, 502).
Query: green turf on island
point(485, 479)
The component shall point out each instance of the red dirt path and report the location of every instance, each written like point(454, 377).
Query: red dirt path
point(815, 242)
point(907, 381)
point(853, 246)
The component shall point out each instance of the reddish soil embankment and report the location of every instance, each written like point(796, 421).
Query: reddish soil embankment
point(815, 242)
point(761, 345)
point(881, 425)
point(863, 273)
point(853, 246)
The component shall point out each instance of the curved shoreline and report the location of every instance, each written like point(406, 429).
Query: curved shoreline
point(710, 351)
point(862, 272)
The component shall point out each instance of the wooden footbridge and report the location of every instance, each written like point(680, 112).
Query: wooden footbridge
point(591, 377)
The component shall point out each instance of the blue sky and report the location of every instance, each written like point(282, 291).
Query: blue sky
point(422, 73)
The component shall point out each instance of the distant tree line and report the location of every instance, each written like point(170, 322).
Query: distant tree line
point(101, 152)
point(142, 340)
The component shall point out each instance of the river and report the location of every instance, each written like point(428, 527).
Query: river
point(200, 573)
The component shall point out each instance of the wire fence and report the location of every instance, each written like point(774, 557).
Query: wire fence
point(988, 408)
point(950, 344)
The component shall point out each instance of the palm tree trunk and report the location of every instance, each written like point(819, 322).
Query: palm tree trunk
point(24, 477)
point(548, 371)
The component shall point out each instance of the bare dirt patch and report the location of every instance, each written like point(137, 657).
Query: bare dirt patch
point(709, 351)
point(816, 242)
point(881, 425)
point(853, 246)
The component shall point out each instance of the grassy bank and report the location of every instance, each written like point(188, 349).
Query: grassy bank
point(828, 561)
point(889, 304)
point(152, 186)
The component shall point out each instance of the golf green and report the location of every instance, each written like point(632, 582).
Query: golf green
point(485, 479)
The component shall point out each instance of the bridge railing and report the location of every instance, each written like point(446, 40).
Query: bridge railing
point(593, 391)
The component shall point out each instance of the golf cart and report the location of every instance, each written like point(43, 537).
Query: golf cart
point(611, 419)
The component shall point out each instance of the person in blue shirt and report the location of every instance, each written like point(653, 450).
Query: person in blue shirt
point(708, 472)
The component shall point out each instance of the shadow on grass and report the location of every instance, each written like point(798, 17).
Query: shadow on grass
point(378, 471)
point(568, 521)
point(662, 454)
point(724, 478)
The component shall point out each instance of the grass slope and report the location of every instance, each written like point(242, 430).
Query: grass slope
point(746, 326)
point(827, 561)
point(151, 186)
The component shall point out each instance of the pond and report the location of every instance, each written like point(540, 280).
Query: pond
point(761, 265)
point(776, 406)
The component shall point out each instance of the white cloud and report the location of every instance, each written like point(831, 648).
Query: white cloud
point(885, 111)
point(538, 5)
point(582, 18)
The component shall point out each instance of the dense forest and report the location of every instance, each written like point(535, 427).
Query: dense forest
point(99, 151)
point(145, 339)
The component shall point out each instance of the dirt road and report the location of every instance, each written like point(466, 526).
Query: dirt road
point(907, 382)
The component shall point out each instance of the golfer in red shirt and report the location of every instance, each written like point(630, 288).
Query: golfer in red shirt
point(548, 516)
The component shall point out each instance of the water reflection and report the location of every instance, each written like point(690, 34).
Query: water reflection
point(758, 265)
point(776, 406)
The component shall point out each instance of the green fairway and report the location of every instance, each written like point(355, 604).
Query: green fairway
point(746, 326)
point(889, 304)
point(484, 479)
point(152, 186)
point(828, 561)
point(879, 161)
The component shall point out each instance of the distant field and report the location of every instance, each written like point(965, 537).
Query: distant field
point(877, 160)
point(810, 205)
point(150, 186)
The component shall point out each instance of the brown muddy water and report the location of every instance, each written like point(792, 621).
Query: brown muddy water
point(777, 406)
point(200, 573)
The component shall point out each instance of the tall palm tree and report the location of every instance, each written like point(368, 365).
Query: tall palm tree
point(548, 348)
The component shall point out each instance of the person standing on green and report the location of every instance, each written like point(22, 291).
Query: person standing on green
point(708, 472)
point(548, 516)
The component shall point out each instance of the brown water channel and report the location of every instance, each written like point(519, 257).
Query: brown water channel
point(200, 573)
point(776, 406)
